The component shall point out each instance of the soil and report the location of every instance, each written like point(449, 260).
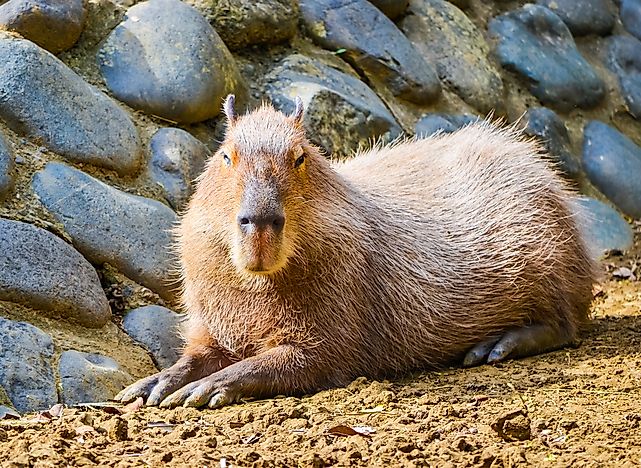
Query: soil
point(574, 407)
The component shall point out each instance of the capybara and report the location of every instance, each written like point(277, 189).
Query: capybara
point(300, 274)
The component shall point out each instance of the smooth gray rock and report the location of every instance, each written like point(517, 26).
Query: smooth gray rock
point(241, 23)
point(432, 123)
point(630, 14)
point(157, 329)
point(166, 60)
point(392, 8)
point(40, 270)
point(372, 44)
point(448, 39)
point(583, 16)
point(40, 97)
point(604, 228)
point(87, 377)
point(7, 168)
point(177, 158)
point(548, 127)
point(341, 111)
point(109, 226)
point(54, 25)
point(535, 43)
point(613, 164)
point(624, 59)
point(26, 373)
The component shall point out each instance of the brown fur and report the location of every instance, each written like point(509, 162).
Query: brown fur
point(401, 258)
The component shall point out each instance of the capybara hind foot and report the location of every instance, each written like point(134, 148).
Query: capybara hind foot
point(155, 388)
point(521, 342)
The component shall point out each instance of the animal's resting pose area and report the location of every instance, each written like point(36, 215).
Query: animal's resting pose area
point(300, 274)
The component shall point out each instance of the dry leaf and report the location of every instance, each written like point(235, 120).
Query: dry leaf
point(252, 439)
point(56, 410)
point(623, 273)
point(342, 430)
point(84, 429)
point(376, 409)
point(133, 406)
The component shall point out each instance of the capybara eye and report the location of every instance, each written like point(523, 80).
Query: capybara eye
point(227, 159)
point(300, 160)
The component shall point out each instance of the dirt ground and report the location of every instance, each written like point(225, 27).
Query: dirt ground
point(575, 407)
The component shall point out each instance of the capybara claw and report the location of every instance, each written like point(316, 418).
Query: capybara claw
point(138, 389)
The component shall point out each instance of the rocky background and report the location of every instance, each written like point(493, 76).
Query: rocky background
point(109, 109)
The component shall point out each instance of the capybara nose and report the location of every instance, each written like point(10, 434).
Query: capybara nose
point(249, 222)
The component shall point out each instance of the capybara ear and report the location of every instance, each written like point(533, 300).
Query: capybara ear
point(228, 108)
point(299, 111)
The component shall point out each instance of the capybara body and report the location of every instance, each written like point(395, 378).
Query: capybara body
point(300, 274)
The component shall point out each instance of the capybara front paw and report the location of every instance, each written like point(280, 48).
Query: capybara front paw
point(208, 391)
point(141, 388)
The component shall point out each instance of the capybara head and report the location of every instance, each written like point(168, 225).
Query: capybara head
point(260, 176)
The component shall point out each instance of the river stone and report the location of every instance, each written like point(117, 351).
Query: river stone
point(88, 377)
point(42, 98)
point(110, 226)
point(625, 62)
point(613, 163)
point(432, 123)
point(604, 228)
point(372, 44)
point(40, 270)
point(7, 168)
point(548, 127)
point(177, 158)
point(631, 16)
point(166, 60)
point(241, 23)
point(392, 8)
point(536, 44)
point(54, 25)
point(447, 38)
point(157, 329)
point(583, 17)
point(341, 112)
point(26, 373)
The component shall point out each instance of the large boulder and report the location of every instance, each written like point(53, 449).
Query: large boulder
point(107, 225)
point(40, 270)
point(40, 97)
point(166, 60)
point(341, 111)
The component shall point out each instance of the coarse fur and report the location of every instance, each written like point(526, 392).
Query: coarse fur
point(402, 258)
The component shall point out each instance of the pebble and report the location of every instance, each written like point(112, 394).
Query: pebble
point(612, 162)
point(583, 17)
point(107, 225)
point(54, 25)
point(40, 270)
point(392, 8)
point(432, 123)
point(373, 45)
point(536, 44)
point(157, 329)
point(625, 62)
point(40, 97)
point(7, 168)
point(242, 23)
point(26, 373)
point(88, 377)
point(548, 127)
point(166, 60)
point(605, 229)
point(513, 425)
point(630, 13)
point(341, 111)
point(177, 158)
point(447, 38)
